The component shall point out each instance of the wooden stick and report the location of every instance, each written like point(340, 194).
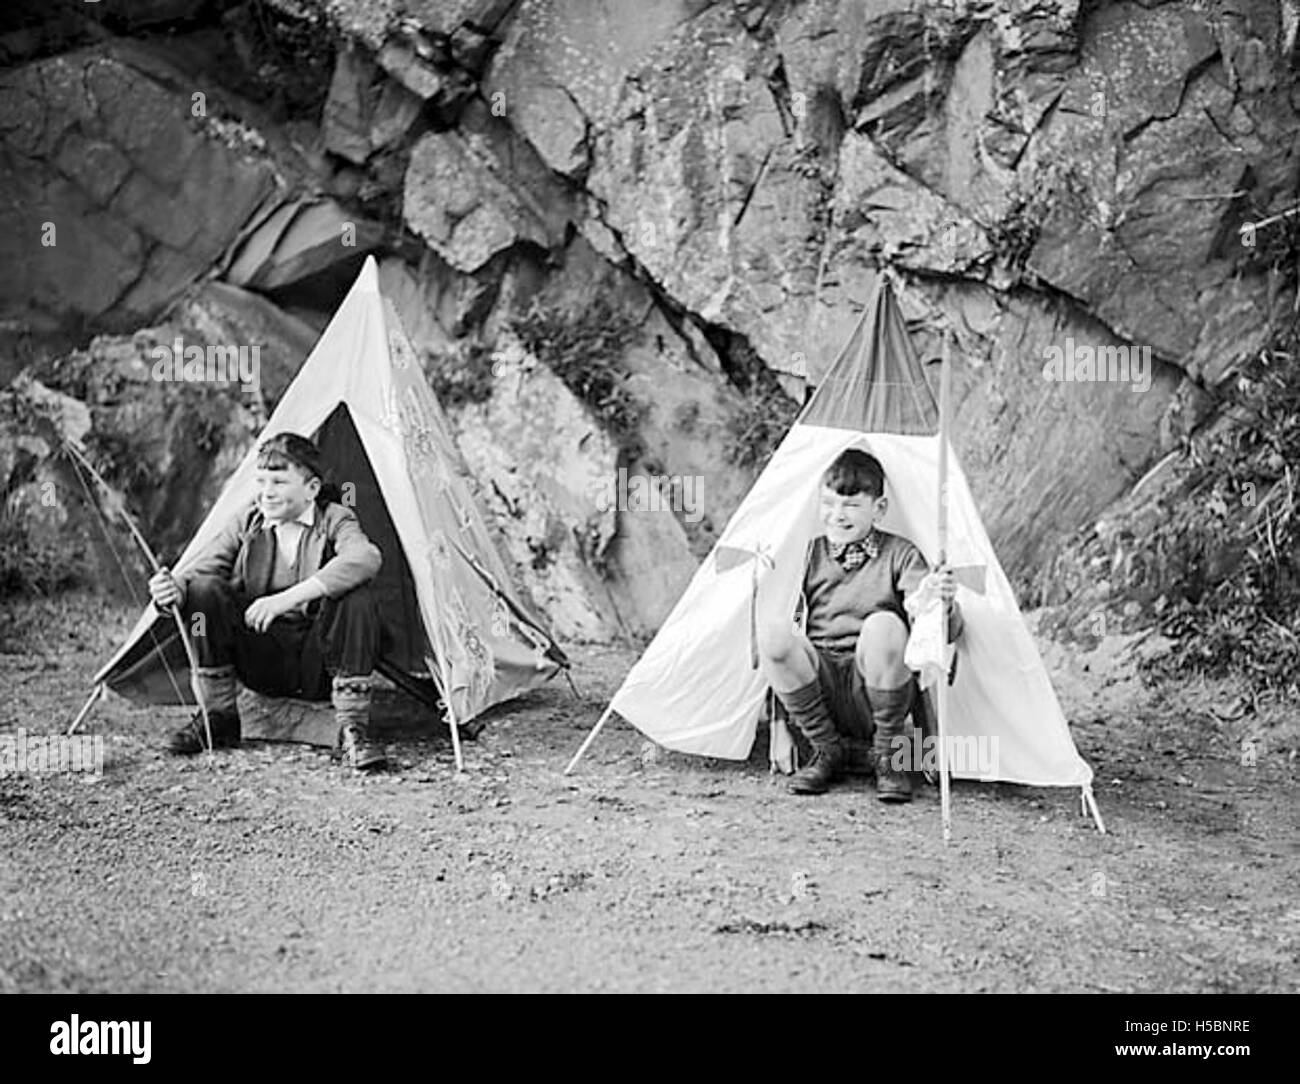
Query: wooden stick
point(945, 393)
point(1271, 218)
point(1091, 804)
point(95, 694)
point(590, 738)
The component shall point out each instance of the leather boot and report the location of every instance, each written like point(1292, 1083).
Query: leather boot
point(889, 708)
point(825, 768)
point(351, 698)
point(809, 713)
point(214, 687)
point(859, 757)
point(193, 737)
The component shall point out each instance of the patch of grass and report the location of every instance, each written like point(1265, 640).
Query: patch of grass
point(584, 348)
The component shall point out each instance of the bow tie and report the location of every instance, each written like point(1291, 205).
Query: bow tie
point(853, 555)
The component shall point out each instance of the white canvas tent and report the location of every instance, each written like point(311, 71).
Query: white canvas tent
point(696, 690)
point(450, 612)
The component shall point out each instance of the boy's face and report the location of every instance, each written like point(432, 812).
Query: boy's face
point(849, 517)
point(284, 493)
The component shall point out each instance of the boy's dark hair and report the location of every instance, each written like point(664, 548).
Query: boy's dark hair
point(856, 471)
point(286, 450)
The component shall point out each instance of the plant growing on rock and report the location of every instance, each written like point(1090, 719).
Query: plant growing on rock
point(29, 563)
point(758, 426)
point(289, 50)
point(1214, 557)
point(460, 375)
point(585, 348)
point(1232, 542)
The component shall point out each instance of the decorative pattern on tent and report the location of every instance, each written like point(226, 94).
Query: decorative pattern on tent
point(363, 394)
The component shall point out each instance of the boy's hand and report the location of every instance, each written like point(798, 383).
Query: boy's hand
point(164, 590)
point(263, 611)
point(946, 582)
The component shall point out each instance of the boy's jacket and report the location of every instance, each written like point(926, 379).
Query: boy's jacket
point(334, 549)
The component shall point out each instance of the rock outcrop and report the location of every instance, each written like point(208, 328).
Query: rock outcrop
point(728, 179)
point(118, 198)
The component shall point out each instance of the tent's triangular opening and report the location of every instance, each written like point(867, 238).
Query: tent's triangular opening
point(405, 644)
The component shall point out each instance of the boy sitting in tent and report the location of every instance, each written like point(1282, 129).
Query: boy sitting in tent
point(284, 605)
point(843, 680)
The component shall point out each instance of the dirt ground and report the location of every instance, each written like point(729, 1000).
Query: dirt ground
point(272, 868)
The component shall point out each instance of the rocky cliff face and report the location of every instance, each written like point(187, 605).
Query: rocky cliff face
point(727, 178)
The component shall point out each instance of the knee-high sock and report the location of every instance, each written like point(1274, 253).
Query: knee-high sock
point(215, 687)
point(808, 711)
point(889, 708)
point(351, 699)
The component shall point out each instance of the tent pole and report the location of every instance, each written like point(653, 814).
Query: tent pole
point(590, 738)
point(945, 392)
point(569, 678)
point(451, 712)
point(455, 736)
point(95, 694)
point(1091, 803)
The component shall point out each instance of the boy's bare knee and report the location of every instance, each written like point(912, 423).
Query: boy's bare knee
point(777, 642)
point(883, 632)
point(880, 648)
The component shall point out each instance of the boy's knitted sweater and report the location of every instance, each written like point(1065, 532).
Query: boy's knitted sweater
point(838, 601)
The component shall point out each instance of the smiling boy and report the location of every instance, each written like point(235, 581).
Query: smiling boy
point(843, 679)
point(278, 599)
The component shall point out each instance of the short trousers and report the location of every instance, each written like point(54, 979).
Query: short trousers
point(845, 693)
